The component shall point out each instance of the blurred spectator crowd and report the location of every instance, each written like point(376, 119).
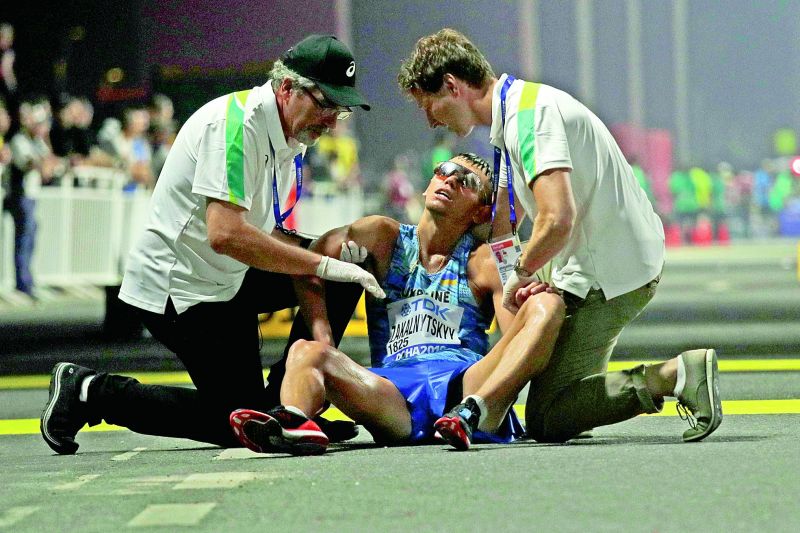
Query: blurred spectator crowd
point(43, 138)
point(715, 205)
point(703, 206)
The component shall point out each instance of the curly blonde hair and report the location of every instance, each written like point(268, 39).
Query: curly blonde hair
point(446, 51)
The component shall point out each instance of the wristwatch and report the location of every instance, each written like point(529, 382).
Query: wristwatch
point(521, 271)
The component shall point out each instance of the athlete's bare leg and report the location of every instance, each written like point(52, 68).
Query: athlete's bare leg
point(522, 352)
point(316, 372)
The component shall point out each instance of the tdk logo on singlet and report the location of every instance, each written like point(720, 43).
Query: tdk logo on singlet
point(424, 304)
point(420, 325)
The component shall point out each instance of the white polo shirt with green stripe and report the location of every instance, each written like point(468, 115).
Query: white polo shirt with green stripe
point(222, 152)
point(617, 242)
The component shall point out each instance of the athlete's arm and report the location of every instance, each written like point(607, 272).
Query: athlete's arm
point(378, 234)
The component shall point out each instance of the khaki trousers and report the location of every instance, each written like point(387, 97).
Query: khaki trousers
point(575, 393)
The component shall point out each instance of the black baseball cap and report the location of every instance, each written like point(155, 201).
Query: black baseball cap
point(326, 61)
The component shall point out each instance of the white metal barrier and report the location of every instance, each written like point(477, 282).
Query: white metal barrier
point(84, 230)
point(321, 212)
point(88, 223)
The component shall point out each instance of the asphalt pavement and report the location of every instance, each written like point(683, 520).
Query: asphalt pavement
point(633, 476)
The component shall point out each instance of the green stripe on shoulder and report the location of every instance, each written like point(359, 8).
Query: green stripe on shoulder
point(526, 125)
point(234, 145)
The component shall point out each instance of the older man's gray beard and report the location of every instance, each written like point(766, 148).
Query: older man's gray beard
point(305, 135)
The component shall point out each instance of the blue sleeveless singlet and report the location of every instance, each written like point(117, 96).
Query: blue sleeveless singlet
point(425, 314)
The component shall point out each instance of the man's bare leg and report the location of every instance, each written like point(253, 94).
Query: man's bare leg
point(316, 372)
point(522, 352)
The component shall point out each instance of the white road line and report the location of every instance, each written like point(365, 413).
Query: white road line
point(149, 484)
point(719, 285)
point(12, 515)
point(127, 455)
point(236, 453)
point(134, 485)
point(215, 480)
point(154, 480)
point(82, 480)
point(172, 514)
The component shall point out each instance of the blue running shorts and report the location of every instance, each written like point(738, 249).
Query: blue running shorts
point(424, 383)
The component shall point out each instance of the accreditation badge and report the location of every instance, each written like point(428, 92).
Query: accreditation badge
point(506, 250)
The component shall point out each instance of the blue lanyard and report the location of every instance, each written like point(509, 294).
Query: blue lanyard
point(276, 207)
point(497, 155)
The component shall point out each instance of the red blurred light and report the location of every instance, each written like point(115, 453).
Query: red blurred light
point(795, 166)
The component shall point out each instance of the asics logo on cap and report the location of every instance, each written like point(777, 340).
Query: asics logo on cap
point(351, 69)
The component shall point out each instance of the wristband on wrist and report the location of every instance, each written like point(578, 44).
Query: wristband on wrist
point(520, 270)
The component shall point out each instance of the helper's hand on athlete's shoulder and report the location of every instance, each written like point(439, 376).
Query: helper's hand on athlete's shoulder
point(335, 270)
point(368, 241)
point(353, 253)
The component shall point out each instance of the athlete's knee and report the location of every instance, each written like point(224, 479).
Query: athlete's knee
point(545, 307)
point(557, 309)
point(304, 353)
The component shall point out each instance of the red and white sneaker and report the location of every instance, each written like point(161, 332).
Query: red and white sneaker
point(457, 426)
point(278, 431)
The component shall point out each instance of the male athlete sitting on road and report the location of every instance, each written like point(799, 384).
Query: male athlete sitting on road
point(427, 337)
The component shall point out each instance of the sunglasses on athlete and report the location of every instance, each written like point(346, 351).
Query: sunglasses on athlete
point(465, 177)
point(342, 113)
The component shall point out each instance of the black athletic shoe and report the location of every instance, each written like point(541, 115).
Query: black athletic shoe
point(64, 415)
point(457, 426)
point(278, 431)
point(337, 430)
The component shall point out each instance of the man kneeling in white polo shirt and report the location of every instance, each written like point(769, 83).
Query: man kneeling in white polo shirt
point(591, 219)
point(208, 261)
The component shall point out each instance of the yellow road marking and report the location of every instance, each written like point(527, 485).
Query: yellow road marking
point(728, 365)
point(42, 381)
point(729, 407)
point(30, 426)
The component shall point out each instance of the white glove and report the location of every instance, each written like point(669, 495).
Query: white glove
point(514, 283)
point(353, 253)
point(335, 270)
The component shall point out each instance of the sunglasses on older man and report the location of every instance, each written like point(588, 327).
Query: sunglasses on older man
point(465, 177)
point(342, 112)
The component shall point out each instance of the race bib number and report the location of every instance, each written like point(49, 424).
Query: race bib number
point(505, 251)
point(420, 325)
